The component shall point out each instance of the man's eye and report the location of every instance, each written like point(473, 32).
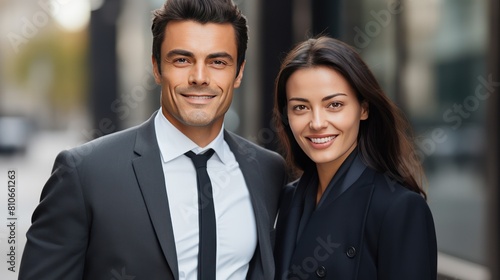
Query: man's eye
point(180, 60)
point(219, 63)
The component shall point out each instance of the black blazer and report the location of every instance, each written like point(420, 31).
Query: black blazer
point(104, 211)
point(366, 226)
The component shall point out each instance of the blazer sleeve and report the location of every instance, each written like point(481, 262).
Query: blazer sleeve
point(407, 246)
point(58, 236)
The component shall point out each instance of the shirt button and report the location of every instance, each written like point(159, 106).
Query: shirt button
point(321, 272)
point(351, 252)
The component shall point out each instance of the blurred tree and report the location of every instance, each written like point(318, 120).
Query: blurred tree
point(52, 67)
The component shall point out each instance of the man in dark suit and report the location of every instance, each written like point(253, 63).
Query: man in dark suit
point(124, 206)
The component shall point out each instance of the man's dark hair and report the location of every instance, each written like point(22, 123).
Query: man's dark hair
point(201, 11)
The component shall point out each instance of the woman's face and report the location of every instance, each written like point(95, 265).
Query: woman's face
point(324, 114)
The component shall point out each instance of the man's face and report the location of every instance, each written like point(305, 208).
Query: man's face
point(198, 75)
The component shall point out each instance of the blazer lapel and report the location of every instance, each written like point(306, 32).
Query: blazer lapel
point(289, 221)
point(253, 178)
point(149, 173)
point(348, 173)
point(359, 177)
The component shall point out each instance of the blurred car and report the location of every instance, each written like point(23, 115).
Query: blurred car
point(15, 132)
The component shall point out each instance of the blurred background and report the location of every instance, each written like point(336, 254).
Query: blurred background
point(74, 70)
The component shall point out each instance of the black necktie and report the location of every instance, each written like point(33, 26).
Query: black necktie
point(206, 217)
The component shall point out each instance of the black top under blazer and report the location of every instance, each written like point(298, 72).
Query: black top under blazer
point(104, 211)
point(366, 226)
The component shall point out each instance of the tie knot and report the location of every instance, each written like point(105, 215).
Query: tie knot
point(201, 159)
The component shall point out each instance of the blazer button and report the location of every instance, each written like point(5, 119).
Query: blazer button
point(321, 272)
point(351, 252)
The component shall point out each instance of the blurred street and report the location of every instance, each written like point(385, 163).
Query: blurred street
point(32, 171)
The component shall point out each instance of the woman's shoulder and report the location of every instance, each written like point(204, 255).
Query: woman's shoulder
point(390, 195)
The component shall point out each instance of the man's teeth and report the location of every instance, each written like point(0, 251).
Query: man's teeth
point(201, 97)
point(322, 140)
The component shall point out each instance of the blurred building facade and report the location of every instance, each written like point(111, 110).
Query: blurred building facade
point(437, 59)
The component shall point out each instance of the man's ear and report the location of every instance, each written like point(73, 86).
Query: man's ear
point(237, 81)
point(156, 71)
point(365, 109)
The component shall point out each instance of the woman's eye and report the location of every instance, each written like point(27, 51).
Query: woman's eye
point(335, 105)
point(299, 107)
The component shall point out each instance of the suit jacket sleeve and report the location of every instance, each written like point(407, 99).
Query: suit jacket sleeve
point(407, 248)
point(57, 239)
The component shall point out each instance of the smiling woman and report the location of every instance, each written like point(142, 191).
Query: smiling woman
point(358, 210)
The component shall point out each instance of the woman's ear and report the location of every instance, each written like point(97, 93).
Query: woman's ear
point(364, 110)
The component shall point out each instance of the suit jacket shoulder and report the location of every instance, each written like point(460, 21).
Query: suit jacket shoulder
point(252, 150)
point(93, 206)
point(399, 232)
point(113, 144)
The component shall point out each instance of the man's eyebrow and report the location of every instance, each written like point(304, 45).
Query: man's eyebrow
point(175, 52)
point(220, 55)
point(181, 52)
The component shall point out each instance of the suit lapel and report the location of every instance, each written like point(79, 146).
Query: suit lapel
point(149, 173)
point(288, 225)
point(245, 155)
point(348, 173)
point(359, 177)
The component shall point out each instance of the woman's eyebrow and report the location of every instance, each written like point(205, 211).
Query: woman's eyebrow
point(332, 96)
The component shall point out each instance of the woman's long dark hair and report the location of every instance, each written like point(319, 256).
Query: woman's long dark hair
point(384, 140)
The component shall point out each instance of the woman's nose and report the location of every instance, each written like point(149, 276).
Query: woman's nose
point(318, 121)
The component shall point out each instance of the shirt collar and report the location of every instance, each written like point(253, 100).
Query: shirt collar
point(173, 143)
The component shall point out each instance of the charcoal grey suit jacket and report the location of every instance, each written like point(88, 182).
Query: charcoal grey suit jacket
point(104, 211)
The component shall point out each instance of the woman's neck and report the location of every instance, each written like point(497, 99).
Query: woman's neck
point(327, 170)
point(325, 175)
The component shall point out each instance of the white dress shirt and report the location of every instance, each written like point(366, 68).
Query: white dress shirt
point(236, 228)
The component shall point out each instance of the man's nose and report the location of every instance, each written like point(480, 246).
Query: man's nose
point(199, 75)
